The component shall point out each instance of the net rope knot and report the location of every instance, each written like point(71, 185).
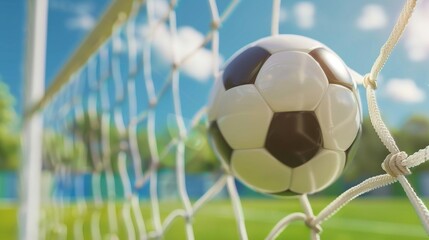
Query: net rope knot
point(188, 217)
point(392, 164)
point(309, 222)
point(215, 25)
point(369, 82)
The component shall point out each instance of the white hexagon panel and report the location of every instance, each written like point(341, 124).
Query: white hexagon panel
point(291, 81)
point(318, 173)
point(288, 42)
point(339, 117)
point(244, 117)
point(260, 170)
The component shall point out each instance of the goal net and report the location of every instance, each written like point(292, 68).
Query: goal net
point(124, 127)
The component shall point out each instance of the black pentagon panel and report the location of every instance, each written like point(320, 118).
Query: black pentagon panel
point(294, 137)
point(244, 68)
point(218, 143)
point(352, 150)
point(335, 69)
point(287, 193)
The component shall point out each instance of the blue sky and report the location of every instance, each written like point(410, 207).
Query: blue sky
point(354, 29)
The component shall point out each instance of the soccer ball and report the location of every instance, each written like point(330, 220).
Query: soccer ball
point(285, 115)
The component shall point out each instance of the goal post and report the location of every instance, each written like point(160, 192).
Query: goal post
point(121, 113)
point(29, 212)
point(35, 96)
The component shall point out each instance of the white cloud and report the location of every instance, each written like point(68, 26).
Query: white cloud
point(81, 19)
point(199, 65)
point(404, 90)
point(304, 14)
point(372, 17)
point(416, 37)
point(81, 22)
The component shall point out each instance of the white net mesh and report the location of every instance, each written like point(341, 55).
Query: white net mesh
point(115, 112)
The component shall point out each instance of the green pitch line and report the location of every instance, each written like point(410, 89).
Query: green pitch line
point(407, 231)
point(8, 221)
point(362, 219)
point(354, 226)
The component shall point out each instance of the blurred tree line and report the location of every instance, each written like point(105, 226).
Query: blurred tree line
point(9, 136)
point(86, 146)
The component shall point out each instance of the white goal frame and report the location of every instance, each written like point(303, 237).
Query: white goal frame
point(29, 212)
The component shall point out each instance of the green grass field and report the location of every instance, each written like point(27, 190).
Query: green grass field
point(362, 219)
